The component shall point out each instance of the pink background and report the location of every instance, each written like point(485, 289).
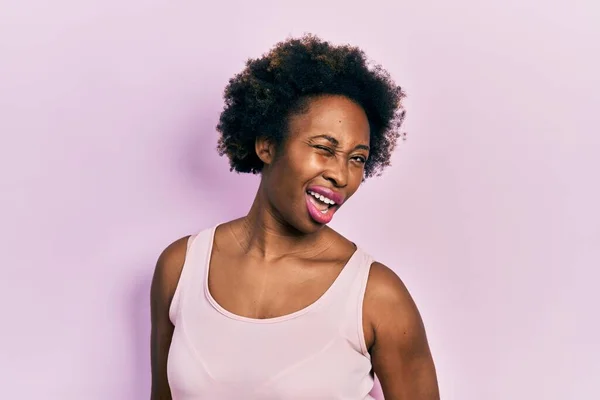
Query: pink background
point(489, 213)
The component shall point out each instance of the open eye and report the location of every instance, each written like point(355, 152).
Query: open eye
point(360, 159)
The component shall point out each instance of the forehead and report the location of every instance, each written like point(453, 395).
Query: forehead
point(335, 116)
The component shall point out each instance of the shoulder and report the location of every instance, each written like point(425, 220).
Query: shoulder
point(388, 306)
point(168, 270)
point(385, 286)
point(399, 349)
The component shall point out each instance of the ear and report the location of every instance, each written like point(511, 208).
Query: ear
point(265, 149)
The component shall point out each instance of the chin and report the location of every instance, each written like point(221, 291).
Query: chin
point(312, 226)
point(298, 219)
point(304, 225)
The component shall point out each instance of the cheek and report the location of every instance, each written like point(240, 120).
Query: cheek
point(312, 164)
point(304, 164)
point(287, 176)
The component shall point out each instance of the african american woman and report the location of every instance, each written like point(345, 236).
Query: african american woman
point(276, 304)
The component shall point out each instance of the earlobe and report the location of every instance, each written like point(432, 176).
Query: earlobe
point(264, 149)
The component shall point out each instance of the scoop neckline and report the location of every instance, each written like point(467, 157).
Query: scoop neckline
point(318, 302)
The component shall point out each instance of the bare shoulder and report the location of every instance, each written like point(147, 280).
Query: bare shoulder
point(164, 282)
point(398, 344)
point(385, 287)
point(168, 270)
point(389, 304)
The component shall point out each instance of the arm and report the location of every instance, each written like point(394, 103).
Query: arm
point(164, 282)
point(399, 351)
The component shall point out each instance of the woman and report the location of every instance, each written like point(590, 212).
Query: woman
point(277, 305)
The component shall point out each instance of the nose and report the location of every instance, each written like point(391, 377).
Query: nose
point(337, 172)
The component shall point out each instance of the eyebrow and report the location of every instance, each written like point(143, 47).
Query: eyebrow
point(335, 142)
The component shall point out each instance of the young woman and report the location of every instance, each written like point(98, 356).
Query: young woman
point(276, 304)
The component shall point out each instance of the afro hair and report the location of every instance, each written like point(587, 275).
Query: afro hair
point(260, 99)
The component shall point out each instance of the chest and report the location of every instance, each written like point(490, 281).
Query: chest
point(270, 364)
point(254, 289)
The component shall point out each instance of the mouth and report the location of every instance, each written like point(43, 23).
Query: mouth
point(320, 207)
point(321, 202)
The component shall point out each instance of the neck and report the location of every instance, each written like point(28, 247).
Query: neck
point(264, 234)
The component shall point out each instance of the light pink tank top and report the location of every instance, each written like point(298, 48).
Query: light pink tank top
point(318, 352)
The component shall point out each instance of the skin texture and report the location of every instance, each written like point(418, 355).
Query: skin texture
point(276, 260)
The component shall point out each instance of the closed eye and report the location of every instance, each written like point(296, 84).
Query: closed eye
point(329, 151)
point(325, 148)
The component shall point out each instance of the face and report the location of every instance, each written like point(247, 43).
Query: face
point(320, 165)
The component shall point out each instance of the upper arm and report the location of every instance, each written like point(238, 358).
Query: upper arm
point(164, 282)
point(400, 352)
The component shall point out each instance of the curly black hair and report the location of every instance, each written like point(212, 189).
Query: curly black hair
point(259, 100)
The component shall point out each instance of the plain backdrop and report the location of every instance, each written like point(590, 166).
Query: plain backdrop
point(489, 213)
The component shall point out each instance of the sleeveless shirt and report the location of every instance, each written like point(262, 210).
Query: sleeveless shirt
point(318, 352)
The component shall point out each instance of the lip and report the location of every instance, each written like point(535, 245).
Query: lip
point(337, 197)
